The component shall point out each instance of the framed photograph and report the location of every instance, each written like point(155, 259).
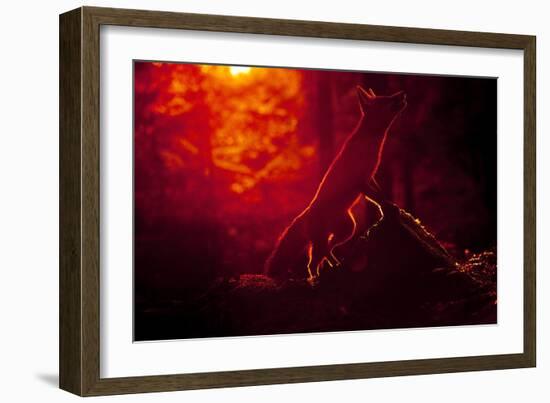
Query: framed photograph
point(249, 201)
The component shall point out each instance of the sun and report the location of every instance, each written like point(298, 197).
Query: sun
point(237, 70)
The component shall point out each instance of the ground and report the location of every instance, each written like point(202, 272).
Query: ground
point(397, 275)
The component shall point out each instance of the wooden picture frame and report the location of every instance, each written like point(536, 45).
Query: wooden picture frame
point(79, 346)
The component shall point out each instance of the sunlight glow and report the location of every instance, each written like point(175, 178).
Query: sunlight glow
point(236, 70)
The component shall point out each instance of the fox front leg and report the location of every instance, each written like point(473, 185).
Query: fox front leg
point(345, 230)
point(378, 207)
point(313, 261)
point(318, 253)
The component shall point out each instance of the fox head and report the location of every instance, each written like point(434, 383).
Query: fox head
point(380, 110)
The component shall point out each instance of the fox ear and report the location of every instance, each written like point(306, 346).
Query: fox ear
point(371, 92)
point(365, 99)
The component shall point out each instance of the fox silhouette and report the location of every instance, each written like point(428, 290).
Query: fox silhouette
point(327, 221)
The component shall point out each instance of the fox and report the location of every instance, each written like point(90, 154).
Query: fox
point(327, 222)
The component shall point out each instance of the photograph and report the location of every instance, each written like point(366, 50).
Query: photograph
point(273, 200)
point(251, 199)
